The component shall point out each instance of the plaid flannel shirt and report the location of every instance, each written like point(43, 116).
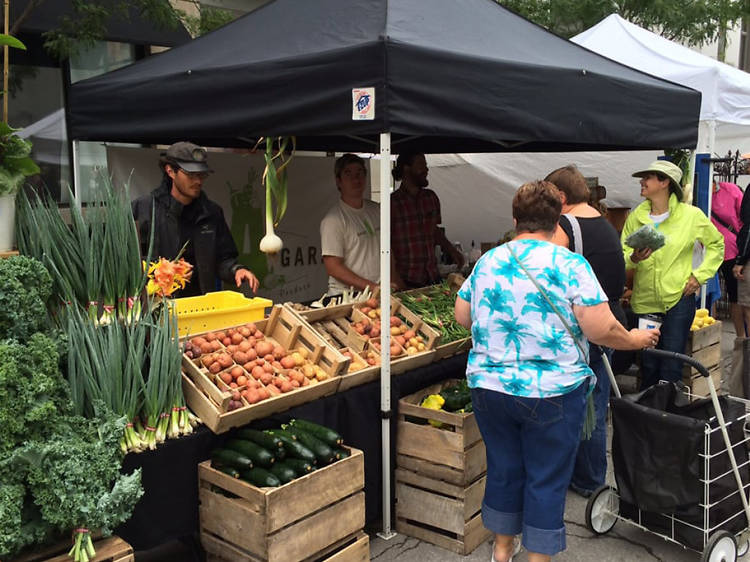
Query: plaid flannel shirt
point(414, 221)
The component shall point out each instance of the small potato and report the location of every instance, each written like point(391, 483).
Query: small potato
point(226, 340)
point(210, 336)
point(245, 332)
point(226, 377)
point(215, 368)
point(244, 346)
point(286, 386)
point(241, 380)
point(236, 372)
point(267, 378)
point(258, 372)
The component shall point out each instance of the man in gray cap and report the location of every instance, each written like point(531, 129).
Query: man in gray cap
point(183, 214)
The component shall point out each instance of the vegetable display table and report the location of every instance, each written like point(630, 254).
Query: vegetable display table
point(168, 512)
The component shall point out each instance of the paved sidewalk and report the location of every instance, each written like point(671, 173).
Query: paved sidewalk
point(624, 543)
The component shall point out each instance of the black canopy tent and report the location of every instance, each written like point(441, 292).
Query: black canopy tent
point(449, 76)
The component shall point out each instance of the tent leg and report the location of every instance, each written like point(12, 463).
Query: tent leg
point(385, 338)
point(76, 175)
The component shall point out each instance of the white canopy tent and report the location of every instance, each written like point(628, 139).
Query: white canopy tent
point(725, 102)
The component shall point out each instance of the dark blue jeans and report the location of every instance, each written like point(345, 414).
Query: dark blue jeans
point(531, 445)
point(591, 460)
point(674, 334)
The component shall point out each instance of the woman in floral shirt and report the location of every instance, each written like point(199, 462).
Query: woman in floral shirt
point(528, 370)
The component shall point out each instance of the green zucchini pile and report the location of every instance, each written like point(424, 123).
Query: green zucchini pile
point(275, 457)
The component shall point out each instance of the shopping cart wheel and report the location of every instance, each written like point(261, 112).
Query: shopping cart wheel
point(602, 510)
point(721, 547)
point(742, 548)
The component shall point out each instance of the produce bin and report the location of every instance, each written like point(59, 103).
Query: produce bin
point(319, 516)
point(213, 311)
point(440, 475)
point(704, 345)
point(209, 398)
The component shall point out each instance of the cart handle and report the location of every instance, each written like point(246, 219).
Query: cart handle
point(679, 357)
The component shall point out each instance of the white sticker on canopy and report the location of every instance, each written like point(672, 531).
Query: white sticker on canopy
point(363, 104)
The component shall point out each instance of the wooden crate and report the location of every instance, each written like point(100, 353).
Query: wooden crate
point(454, 453)
point(296, 521)
point(699, 385)
point(355, 548)
point(704, 346)
point(704, 337)
point(209, 402)
point(440, 513)
point(111, 549)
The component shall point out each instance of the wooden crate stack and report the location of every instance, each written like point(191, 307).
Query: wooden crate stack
point(318, 517)
point(440, 475)
point(704, 345)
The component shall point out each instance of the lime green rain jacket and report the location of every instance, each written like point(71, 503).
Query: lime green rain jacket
point(661, 278)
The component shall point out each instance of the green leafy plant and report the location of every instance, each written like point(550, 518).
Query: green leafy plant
point(15, 160)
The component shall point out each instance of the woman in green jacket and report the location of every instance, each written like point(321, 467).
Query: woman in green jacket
point(665, 281)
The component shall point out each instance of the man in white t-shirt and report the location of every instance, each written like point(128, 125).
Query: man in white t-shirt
point(350, 231)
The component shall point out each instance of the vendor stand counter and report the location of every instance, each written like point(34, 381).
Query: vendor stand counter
point(168, 511)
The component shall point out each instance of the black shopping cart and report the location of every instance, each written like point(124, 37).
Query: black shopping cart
point(681, 466)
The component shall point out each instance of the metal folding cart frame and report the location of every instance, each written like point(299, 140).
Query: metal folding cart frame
point(719, 545)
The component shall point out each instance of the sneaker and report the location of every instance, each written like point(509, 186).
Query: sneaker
point(516, 549)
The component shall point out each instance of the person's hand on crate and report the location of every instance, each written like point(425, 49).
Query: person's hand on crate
point(243, 274)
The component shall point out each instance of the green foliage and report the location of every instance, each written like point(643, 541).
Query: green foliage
point(25, 287)
point(696, 22)
point(210, 18)
point(15, 160)
point(89, 19)
point(75, 480)
point(33, 393)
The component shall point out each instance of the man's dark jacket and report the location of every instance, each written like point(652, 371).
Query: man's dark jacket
point(211, 249)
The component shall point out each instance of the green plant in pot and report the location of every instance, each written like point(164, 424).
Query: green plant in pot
point(15, 166)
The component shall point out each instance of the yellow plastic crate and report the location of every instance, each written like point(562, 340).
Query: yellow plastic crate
point(214, 311)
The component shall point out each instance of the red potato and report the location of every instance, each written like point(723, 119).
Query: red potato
point(245, 332)
point(241, 380)
point(266, 378)
point(252, 341)
point(396, 350)
point(216, 345)
point(249, 366)
point(272, 390)
point(269, 358)
point(206, 347)
point(263, 393)
point(267, 367)
point(375, 333)
point(236, 372)
point(295, 375)
point(220, 335)
point(230, 331)
point(231, 348)
point(215, 368)
point(244, 346)
point(264, 348)
point(409, 334)
point(210, 336)
point(288, 362)
point(277, 381)
point(240, 357)
point(258, 372)
point(295, 384)
point(251, 326)
point(236, 338)
point(233, 385)
point(252, 396)
point(226, 340)
point(372, 302)
point(252, 354)
point(276, 365)
point(305, 382)
point(278, 352)
point(286, 386)
point(236, 395)
point(395, 321)
point(258, 335)
point(225, 360)
point(197, 341)
point(225, 377)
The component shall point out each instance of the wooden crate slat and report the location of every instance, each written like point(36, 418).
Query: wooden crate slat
point(709, 357)
point(704, 337)
point(233, 520)
point(428, 508)
point(351, 549)
point(453, 421)
point(452, 348)
point(699, 384)
point(474, 535)
point(358, 551)
point(110, 549)
point(438, 471)
point(313, 491)
point(256, 497)
point(431, 484)
point(429, 443)
point(203, 381)
point(476, 461)
point(473, 496)
point(314, 533)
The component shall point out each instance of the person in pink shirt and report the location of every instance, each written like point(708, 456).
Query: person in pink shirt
point(725, 214)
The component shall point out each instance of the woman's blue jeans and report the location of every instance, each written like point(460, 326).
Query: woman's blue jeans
point(674, 335)
point(531, 445)
point(590, 468)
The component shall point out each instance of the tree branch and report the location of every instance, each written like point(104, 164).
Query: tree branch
point(27, 11)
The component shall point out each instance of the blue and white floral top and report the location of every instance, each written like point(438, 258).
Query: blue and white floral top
point(520, 345)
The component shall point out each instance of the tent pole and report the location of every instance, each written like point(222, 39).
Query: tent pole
point(710, 151)
point(76, 175)
point(385, 336)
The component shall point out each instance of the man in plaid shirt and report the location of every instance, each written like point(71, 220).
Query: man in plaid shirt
point(415, 216)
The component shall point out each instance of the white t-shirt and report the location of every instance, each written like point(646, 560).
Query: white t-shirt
point(352, 234)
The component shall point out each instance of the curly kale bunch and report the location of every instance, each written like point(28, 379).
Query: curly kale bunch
point(33, 393)
point(25, 288)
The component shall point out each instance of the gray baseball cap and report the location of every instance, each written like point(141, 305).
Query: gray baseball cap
point(188, 156)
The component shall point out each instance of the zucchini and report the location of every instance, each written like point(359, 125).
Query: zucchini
point(299, 466)
point(323, 453)
point(268, 442)
point(283, 472)
point(294, 448)
point(260, 477)
point(341, 453)
point(229, 457)
point(256, 453)
point(233, 472)
point(323, 433)
point(280, 454)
